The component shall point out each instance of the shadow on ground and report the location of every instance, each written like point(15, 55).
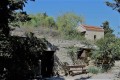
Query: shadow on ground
point(84, 78)
point(55, 78)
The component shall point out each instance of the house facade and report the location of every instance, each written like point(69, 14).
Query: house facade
point(91, 32)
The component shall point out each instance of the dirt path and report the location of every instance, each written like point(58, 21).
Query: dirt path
point(113, 74)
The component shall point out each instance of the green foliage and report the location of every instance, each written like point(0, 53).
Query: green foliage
point(50, 21)
point(109, 46)
point(107, 30)
point(67, 23)
point(72, 35)
point(40, 20)
point(109, 49)
point(115, 5)
point(9, 15)
point(68, 32)
point(93, 70)
point(116, 48)
point(19, 17)
point(95, 54)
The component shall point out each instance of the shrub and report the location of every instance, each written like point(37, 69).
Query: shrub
point(108, 51)
point(72, 35)
point(93, 70)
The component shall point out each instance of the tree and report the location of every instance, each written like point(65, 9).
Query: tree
point(108, 48)
point(68, 21)
point(115, 5)
point(40, 20)
point(107, 30)
point(50, 22)
point(108, 52)
point(18, 55)
point(7, 8)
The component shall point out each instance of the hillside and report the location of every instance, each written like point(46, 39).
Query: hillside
point(54, 37)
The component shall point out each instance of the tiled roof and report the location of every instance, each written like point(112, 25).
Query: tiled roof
point(93, 28)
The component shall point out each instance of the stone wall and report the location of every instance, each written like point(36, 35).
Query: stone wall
point(90, 35)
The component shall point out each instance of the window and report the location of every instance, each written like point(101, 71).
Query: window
point(94, 37)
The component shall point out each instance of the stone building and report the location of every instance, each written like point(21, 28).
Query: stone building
point(91, 32)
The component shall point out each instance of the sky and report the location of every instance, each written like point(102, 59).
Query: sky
point(95, 12)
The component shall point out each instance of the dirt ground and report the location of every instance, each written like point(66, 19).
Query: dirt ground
point(113, 74)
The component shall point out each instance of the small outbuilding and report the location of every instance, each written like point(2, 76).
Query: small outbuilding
point(91, 32)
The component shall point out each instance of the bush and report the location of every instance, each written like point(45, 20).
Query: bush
point(93, 70)
point(72, 35)
point(108, 51)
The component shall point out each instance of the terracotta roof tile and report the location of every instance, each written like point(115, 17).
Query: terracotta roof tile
point(93, 28)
